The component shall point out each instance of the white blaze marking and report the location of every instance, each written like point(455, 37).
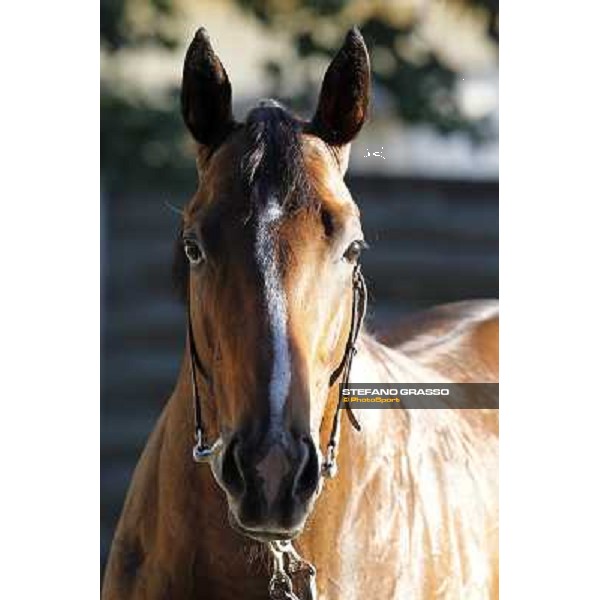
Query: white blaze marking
point(276, 310)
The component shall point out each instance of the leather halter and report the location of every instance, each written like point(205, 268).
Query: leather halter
point(202, 452)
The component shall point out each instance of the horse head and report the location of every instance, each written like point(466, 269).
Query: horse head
point(268, 248)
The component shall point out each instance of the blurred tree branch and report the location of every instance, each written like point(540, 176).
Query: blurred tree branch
point(118, 28)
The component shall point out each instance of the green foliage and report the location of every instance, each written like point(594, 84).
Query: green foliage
point(111, 19)
point(421, 89)
point(117, 33)
point(141, 145)
point(144, 145)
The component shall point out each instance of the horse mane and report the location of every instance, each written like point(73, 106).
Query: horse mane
point(272, 167)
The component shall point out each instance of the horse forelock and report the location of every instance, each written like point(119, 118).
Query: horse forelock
point(273, 161)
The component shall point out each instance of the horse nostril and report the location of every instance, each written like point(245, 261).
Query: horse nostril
point(231, 471)
point(307, 479)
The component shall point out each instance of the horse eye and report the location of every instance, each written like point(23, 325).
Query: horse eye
point(354, 250)
point(193, 252)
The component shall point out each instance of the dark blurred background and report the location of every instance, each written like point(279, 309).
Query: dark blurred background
point(430, 208)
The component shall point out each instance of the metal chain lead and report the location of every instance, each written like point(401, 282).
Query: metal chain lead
point(281, 585)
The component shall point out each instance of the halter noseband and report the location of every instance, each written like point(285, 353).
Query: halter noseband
point(203, 452)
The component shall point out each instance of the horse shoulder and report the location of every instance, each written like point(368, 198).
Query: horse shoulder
point(128, 565)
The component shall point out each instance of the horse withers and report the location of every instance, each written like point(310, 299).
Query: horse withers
point(268, 259)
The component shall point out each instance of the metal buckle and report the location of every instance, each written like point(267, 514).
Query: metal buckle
point(201, 452)
point(329, 467)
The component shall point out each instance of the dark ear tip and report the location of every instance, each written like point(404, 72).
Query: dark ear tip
point(354, 34)
point(355, 48)
point(202, 36)
point(200, 44)
point(201, 58)
point(355, 39)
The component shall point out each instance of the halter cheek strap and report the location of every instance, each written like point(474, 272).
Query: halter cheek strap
point(359, 308)
point(202, 452)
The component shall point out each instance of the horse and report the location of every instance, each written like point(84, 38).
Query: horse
point(268, 259)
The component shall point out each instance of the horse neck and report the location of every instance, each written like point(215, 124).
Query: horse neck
point(417, 463)
point(378, 363)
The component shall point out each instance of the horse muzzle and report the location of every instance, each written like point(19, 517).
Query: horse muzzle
point(271, 486)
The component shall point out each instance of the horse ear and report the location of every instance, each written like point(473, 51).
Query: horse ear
point(345, 93)
point(205, 93)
